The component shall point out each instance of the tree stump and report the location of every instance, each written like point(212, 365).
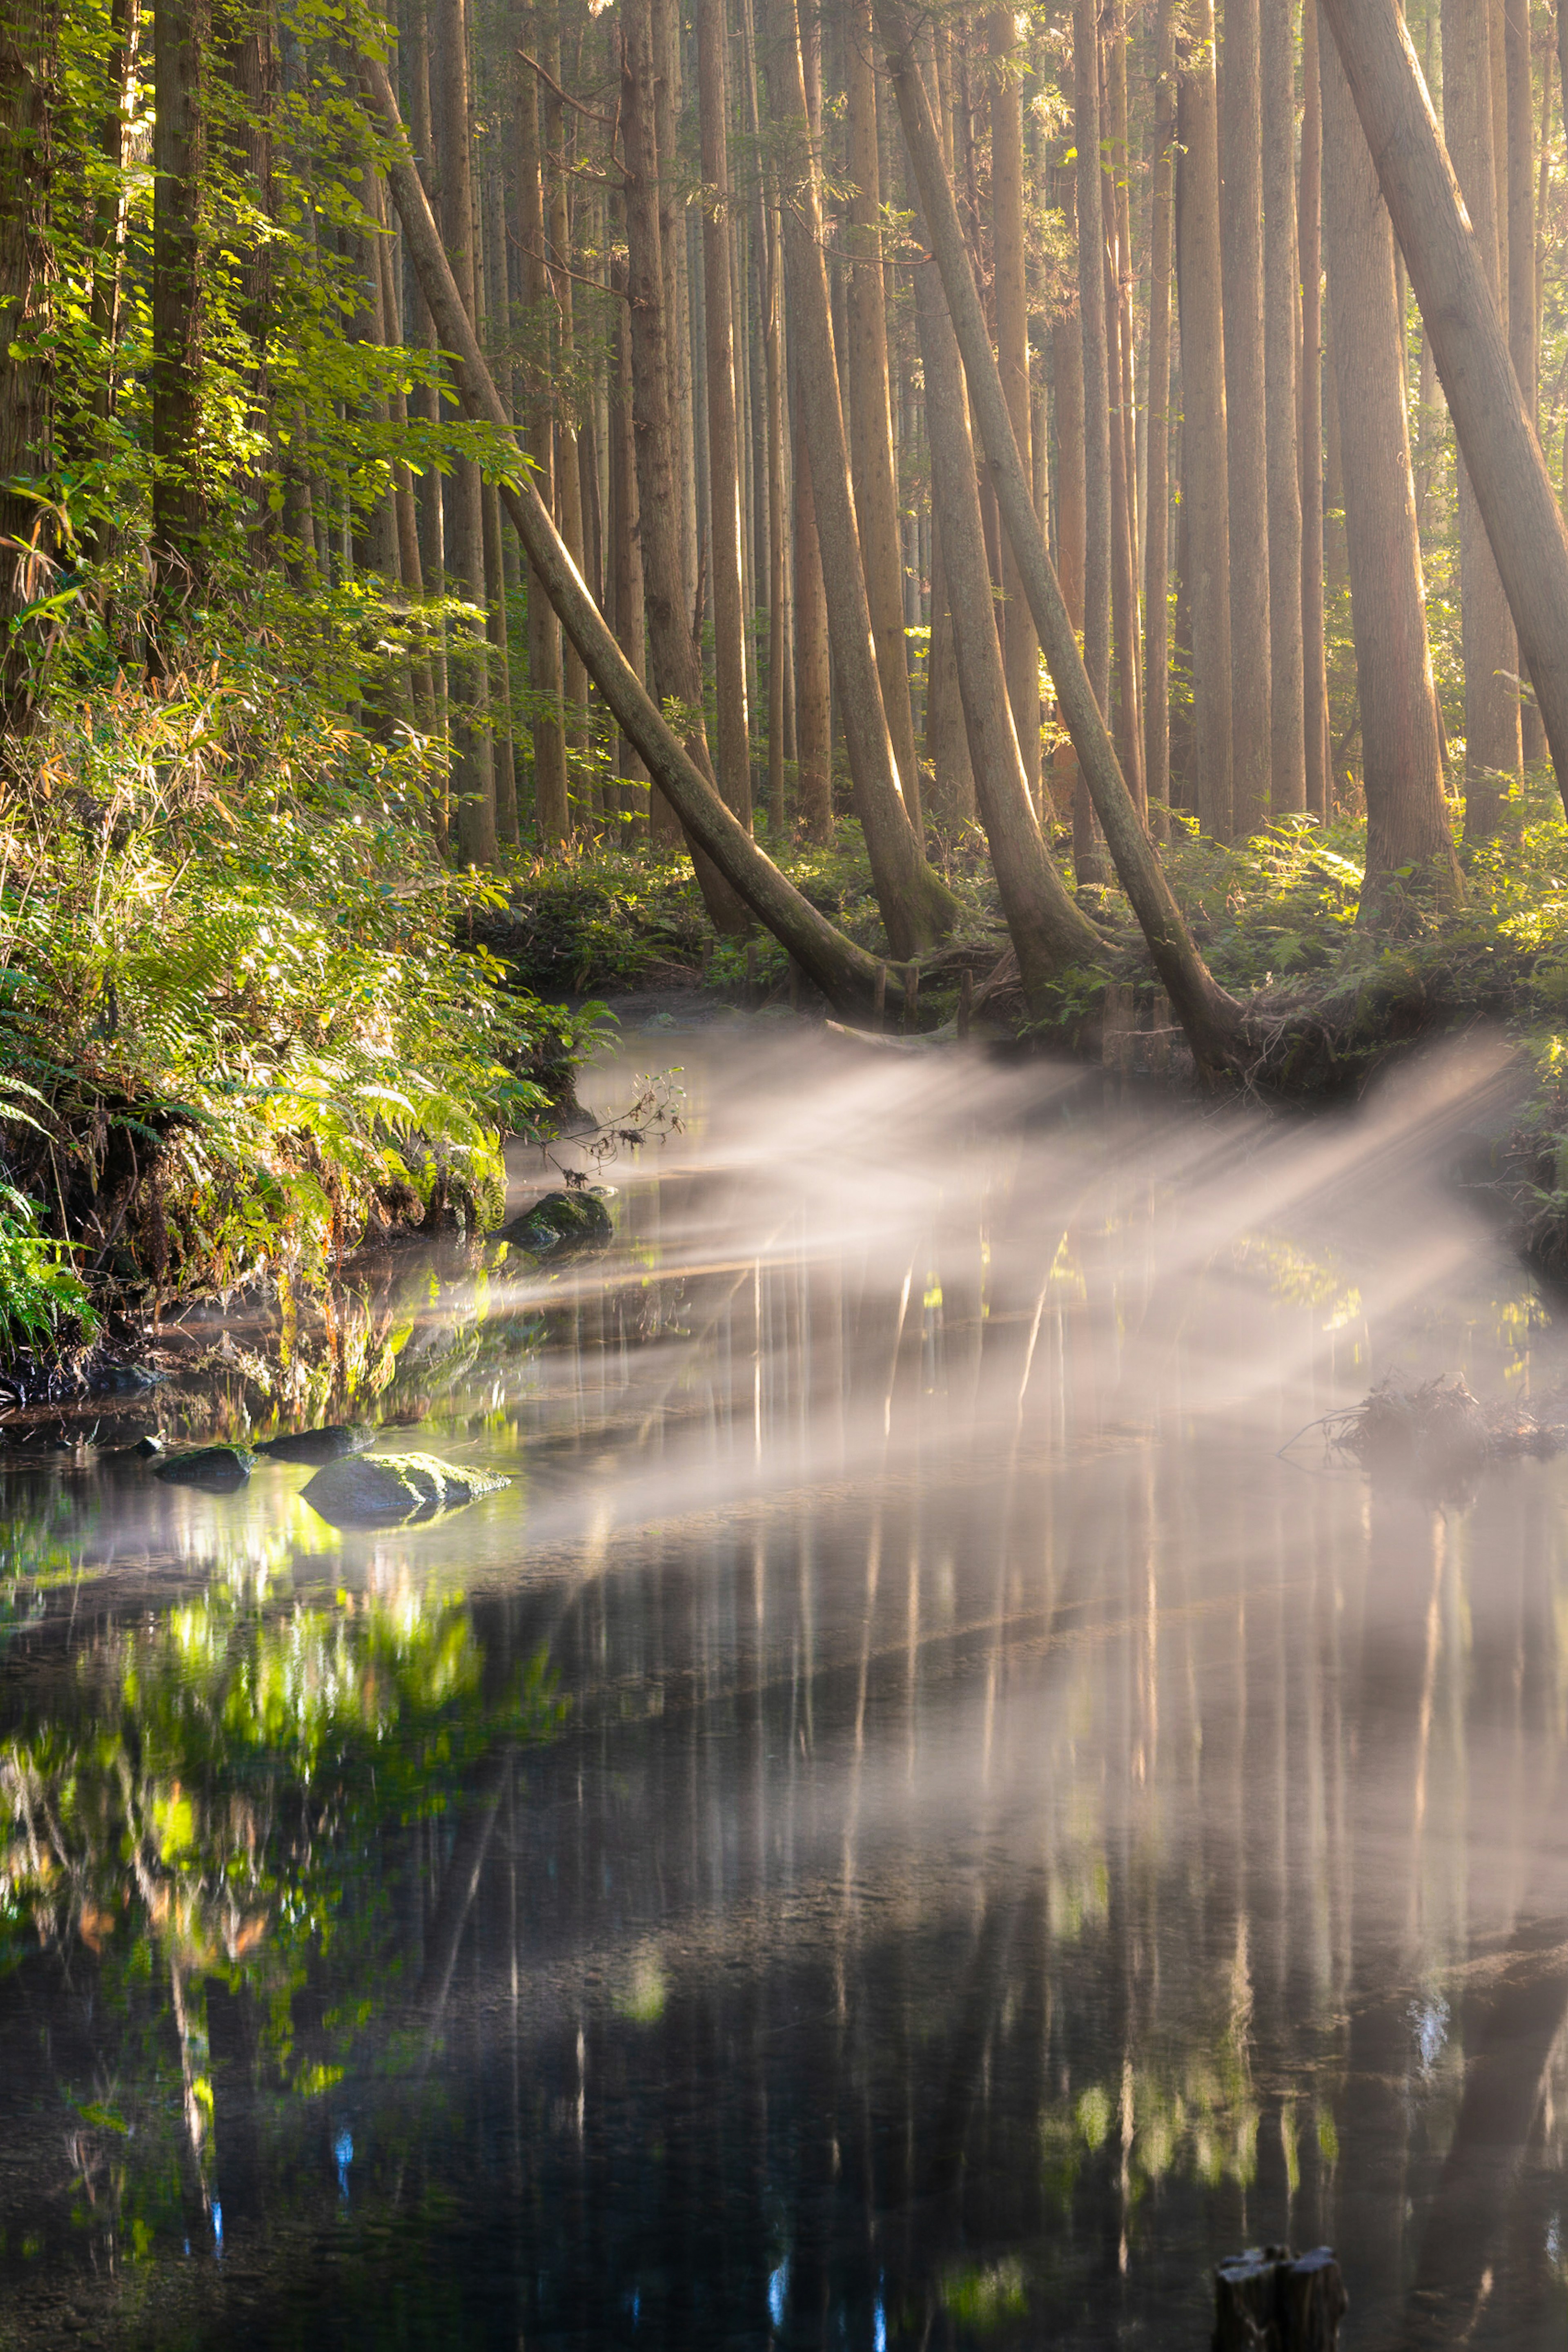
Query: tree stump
point(1267, 2300)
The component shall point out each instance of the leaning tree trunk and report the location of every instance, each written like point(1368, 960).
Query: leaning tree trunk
point(1495, 437)
point(1211, 1018)
point(1490, 648)
point(844, 972)
point(1045, 926)
point(29, 97)
point(1407, 823)
point(1281, 276)
point(182, 35)
point(1205, 490)
point(1247, 472)
point(724, 463)
point(917, 907)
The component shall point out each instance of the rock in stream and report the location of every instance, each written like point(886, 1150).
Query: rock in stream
point(216, 1469)
point(316, 1446)
point(389, 1490)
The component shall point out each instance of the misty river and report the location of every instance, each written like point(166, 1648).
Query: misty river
point(910, 1822)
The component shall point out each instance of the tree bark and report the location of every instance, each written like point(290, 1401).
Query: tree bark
point(29, 100)
point(1021, 642)
point(845, 973)
point(1492, 749)
point(1096, 408)
point(1046, 929)
point(1407, 823)
point(1247, 472)
point(547, 718)
point(468, 688)
point(568, 454)
point(724, 474)
point(916, 905)
point(1210, 1017)
point(665, 53)
point(1119, 376)
point(1157, 501)
point(1309, 215)
point(870, 418)
point(1288, 765)
point(627, 541)
point(1205, 482)
point(181, 35)
point(1496, 436)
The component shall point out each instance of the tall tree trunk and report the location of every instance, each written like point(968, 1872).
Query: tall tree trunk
point(1496, 436)
point(181, 35)
point(1407, 825)
point(1314, 659)
point(1096, 404)
point(723, 474)
point(673, 654)
point(1523, 276)
point(665, 34)
point(1021, 644)
point(29, 101)
point(411, 571)
point(1119, 375)
point(547, 721)
point(1205, 479)
point(870, 418)
point(567, 461)
point(627, 608)
point(813, 668)
point(1492, 747)
point(472, 770)
point(1156, 502)
point(1246, 443)
point(1046, 929)
point(845, 973)
point(425, 398)
point(947, 746)
point(1288, 791)
point(1071, 522)
point(916, 905)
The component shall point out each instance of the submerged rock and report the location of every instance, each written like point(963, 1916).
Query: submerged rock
point(318, 1445)
point(564, 1220)
point(217, 1469)
point(149, 1445)
point(387, 1490)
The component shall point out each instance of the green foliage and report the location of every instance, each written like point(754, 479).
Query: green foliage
point(40, 1290)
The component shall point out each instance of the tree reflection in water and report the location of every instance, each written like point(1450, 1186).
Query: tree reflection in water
point(990, 1838)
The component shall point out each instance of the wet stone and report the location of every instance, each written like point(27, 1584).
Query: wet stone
point(316, 1446)
point(564, 1220)
point(393, 1489)
point(216, 1469)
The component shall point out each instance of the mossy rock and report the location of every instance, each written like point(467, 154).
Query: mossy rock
point(315, 1446)
point(562, 1221)
point(216, 1469)
point(393, 1490)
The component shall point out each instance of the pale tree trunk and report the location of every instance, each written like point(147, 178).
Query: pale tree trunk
point(547, 720)
point(1046, 929)
point(181, 35)
point(1096, 408)
point(1523, 288)
point(845, 973)
point(724, 476)
point(1496, 46)
point(673, 655)
point(1495, 434)
point(29, 98)
point(813, 671)
point(916, 905)
point(568, 456)
point(1022, 645)
point(1492, 746)
point(425, 399)
point(410, 570)
point(1119, 377)
point(870, 412)
point(1211, 1018)
point(627, 541)
point(665, 38)
point(1156, 503)
point(473, 771)
point(946, 747)
point(1205, 481)
point(1288, 793)
point(1309, 215)
point(1407, 823)
point(1071, 523)
point(1251, 739)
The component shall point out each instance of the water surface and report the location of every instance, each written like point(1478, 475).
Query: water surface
point(909, 1823)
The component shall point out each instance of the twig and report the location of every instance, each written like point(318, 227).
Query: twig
point(613, 122)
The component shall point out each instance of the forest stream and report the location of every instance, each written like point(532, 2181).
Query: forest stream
point(909, 1820)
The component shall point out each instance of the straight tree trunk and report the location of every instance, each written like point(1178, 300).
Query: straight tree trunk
point(1401, 768)
point(547, 718)
point(917, 907)
point(1497, 439)
point(946, 745)
point(813, 677)
point(870, 419)
point(724, 465)
point(1046, 928)
point(1096, 404)
point(1288, 767)
point(1492, 744)
point(1072, 521)
point(473, 771)
point(1523, 259)
point(1119, 374)
point(1205, 477)
point(1020, 643)
point(568, 456)
point(29, 101)
point(665, 32)
point(1309, 215)
point(627, 562)
point(1242, 147)
point(844, 972)
point(182, 35)
point(1157, 501)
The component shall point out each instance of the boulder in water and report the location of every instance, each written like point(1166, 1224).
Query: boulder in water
point(393, 1490)
point(216, 1469)
point(315, 1446)
point(560, 1220)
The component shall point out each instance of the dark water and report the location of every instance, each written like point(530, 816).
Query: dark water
point(906, 1824)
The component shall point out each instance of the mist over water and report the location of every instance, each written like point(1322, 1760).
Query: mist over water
point(910, 1823)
